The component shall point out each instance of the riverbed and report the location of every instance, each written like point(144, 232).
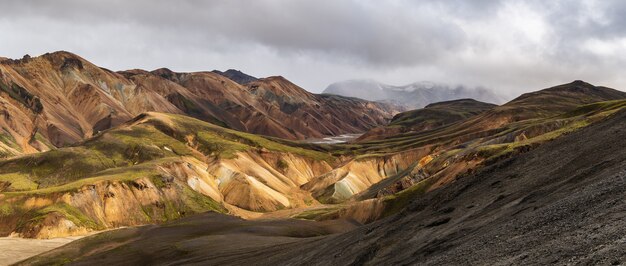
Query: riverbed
point(335, 139)
point(14, 249)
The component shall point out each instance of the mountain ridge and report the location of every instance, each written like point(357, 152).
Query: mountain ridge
point(61, 98)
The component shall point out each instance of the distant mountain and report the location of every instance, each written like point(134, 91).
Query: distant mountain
point(432, 116)
point(542, 104)
point(413, 96)
point(236, 76)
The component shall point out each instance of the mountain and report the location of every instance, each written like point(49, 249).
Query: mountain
point(416, 95)
point(438, 155)
point(159, 167)
point(156, 167)
point(87, 149)
point(432, 116)
point(58, 99)
point(236, 76)
point(559, 203)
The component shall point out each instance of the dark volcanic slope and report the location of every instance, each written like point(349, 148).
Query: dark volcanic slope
point(563, 202)
point(560, 203)
point(190, 241)
point(236, 76)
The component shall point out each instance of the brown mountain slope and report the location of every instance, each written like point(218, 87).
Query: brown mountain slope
point(276, 107)
point(430, 117)
point(560, 203)
point(540, 104)
point(248, 173)
point(60, 98)
point(436, 156)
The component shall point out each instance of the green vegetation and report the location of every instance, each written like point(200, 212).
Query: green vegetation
point(212, 144)
point(137, 149)
point(396, 202)
point(281, 164)
point(316, 213)
point(129, 173)
point(6, 209)
point(7, 139)
point(232, 139)
point(18, 182)
point(70, 213)
point(198, 203)
point(57, 166)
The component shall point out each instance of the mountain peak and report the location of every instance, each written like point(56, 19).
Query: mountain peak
point(577, 88)
point(236, 76)
point(166, 73)
point(458, 102)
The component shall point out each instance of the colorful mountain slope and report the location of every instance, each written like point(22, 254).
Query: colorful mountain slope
point(58, 99)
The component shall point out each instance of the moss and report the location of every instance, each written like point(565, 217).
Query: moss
point(6, 210)
point(316, 213)
point(57, 166)
point(122, 174)
point(69, 212)
point(198, 203)
point(282, 164)
point(8, 139)
point(396, 202)
point(191, 126)
point(44, 140)
point(212, 144)
point(18, 181)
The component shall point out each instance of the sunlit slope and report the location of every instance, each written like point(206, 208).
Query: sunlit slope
point(154, 168)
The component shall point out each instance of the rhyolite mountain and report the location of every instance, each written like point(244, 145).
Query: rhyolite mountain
point(159, 167)
point(87, 149)
point(59, 98)
point(554, 197)
point(413, 96)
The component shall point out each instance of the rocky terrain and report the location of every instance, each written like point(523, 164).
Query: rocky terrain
point(412, 96)
point(236, 76)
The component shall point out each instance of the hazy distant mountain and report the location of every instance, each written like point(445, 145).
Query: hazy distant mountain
point(236, 76)
point(416, 95)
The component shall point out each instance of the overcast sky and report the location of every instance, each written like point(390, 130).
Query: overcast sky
point(509, 46)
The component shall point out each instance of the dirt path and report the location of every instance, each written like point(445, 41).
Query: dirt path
point(17, 249)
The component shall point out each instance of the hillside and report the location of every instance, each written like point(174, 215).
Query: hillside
point(58, 99)
point(559, 203)
point(432, 158)
point(430, 117)
point(160, 167)
point(412, 96)
point(154, 168)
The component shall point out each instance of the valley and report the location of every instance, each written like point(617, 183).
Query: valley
point(186, 162)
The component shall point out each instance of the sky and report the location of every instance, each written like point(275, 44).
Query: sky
point(508, 46)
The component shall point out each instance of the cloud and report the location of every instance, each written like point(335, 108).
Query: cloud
point(509, 45)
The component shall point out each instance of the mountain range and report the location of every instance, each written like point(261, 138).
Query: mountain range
point(198, 168)
point(412, 96)
point(58, 99)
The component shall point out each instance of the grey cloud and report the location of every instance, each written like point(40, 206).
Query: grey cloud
point(319, 42)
